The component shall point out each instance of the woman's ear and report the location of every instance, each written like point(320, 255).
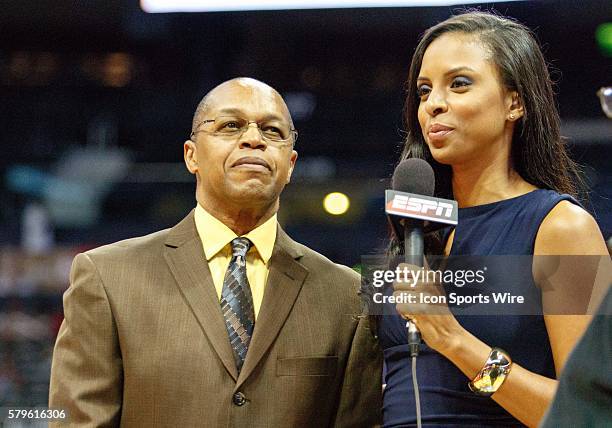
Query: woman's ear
point(515, 106)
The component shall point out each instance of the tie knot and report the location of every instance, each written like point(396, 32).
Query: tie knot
point(240, 246)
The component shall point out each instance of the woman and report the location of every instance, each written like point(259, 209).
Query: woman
point(480, 110)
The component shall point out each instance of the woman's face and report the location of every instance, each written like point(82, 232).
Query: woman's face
point(464, 108)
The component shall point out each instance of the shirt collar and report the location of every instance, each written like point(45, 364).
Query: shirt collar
point(215, 235)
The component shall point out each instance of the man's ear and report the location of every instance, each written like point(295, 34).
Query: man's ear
point(191, 156)
point(294, 156)
point(515, 106)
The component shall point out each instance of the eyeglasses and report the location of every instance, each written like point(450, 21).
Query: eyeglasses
point(605, 98)
point(273, 131)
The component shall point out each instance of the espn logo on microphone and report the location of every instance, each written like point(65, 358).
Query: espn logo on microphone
point(421, 207)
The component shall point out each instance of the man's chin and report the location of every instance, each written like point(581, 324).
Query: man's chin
point(252, 191)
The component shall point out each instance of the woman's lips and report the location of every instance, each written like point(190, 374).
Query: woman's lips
point(438, 132)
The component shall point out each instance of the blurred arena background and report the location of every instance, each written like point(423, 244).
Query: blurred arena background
point(97, 98)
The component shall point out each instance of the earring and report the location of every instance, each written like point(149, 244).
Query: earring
point(511, 116)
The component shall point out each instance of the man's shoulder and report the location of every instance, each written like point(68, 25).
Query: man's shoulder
point(147, 244)
point(319, 264)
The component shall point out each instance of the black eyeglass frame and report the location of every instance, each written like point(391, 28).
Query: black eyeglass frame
point(293, 131)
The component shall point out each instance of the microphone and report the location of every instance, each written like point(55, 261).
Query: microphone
point(411, 199)
point(414, 176)
point(417, 177)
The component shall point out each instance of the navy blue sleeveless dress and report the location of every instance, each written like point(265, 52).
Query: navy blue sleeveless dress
point(507, 227)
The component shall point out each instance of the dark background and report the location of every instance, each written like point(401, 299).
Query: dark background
point(97, 98)
point(105, 74)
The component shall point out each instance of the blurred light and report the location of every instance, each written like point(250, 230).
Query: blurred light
point(316, 169)
point(27, 180)
point(300, 104)
point(156, 6)
point(20, 65)
point(114, 69)
point(603, 35)
point(117, 69)
point(336, 203)
point(31, 68)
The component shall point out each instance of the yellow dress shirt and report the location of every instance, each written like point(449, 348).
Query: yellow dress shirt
point(216, 240)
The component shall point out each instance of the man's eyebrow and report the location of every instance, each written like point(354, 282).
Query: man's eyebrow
point(239, 112)
point(231, 110)
point(453, 70)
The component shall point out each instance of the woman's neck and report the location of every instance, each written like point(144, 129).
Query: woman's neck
point(479, 183)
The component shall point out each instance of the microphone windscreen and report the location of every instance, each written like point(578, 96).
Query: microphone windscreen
point(414, 176)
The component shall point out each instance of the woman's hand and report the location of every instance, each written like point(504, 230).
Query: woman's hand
point(425, 304)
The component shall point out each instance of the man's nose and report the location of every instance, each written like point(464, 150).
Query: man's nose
point(252, 138)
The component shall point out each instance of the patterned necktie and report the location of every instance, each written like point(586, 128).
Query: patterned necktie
point(237, 302)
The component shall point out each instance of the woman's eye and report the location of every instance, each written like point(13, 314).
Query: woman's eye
point(459, 82)
point(423, 90)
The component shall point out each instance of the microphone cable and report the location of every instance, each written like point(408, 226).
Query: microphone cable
point(417, 399)
point(414, 339)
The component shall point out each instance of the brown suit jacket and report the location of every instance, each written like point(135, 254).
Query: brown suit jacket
point(144, 344)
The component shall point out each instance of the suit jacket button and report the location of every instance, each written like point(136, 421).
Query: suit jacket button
point(239, 399)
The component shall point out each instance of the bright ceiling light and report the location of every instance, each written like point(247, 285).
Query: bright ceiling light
point(160, 6)
point(336, 203)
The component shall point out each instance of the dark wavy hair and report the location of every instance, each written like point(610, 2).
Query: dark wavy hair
point(538, 152)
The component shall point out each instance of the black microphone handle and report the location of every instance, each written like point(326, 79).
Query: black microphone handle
point(413, 242)
point(414, 249)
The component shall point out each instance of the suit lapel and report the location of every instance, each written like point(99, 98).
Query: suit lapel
point(284, 283)
point(187, 263)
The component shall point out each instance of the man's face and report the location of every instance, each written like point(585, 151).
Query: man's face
point(244, 170)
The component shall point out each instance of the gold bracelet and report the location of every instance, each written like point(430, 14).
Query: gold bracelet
point(493, 374)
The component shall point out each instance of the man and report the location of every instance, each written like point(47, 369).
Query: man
point(148, 321)
point(584, 394)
